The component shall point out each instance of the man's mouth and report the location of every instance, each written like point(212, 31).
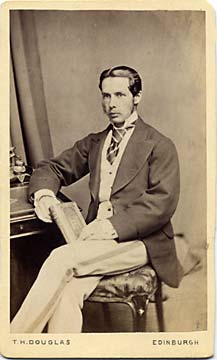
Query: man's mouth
point(112, 114)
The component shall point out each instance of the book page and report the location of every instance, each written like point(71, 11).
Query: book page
point(69, 220)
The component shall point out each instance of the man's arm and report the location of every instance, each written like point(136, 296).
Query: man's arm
point(62, 170)
point(156, 205)
point(50, 175)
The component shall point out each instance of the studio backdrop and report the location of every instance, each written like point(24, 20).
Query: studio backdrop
point(56, 59)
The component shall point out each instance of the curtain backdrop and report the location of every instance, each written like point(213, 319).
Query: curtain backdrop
point(29, 123)
point(16, 136)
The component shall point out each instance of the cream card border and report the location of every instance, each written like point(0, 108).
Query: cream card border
point(128, 345)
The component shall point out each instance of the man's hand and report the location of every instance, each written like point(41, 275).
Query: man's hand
point(98, 230)
point(42, 203)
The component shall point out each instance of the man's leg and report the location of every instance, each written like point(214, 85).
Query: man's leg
point(67, 317)
point(95, 257)
point(45, 293)
point(107, 258)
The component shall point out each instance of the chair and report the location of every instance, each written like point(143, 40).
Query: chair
point(136, 289)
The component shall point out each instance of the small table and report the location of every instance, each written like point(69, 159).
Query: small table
point(31, 241)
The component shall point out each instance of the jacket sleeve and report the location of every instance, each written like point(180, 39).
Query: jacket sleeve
point(153, 209)
point(62, 170)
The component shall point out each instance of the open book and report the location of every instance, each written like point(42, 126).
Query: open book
point(69, 220)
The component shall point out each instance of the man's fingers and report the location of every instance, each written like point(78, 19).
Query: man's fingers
point(92, 231)
point(86, 234)
point(92, 236)
point(42, 208)
point(42, 215)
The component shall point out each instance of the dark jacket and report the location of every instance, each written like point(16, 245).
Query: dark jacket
point(144, 195)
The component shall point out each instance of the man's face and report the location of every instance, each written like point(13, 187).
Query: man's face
point(117, 101)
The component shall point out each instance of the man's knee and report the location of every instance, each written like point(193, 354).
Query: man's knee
point(60, 259)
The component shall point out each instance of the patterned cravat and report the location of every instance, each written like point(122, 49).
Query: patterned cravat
point(117, 136)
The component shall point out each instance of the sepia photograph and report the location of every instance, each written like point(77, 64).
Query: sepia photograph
point(108, 181)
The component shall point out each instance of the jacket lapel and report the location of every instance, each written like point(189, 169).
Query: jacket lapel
point(97, 142)
point(134, 156)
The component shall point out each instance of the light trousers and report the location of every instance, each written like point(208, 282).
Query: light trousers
point(68, 277)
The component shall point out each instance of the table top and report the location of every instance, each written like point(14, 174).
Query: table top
point(20, 207)
point(19, 204)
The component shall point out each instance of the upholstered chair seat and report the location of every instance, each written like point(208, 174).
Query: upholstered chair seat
point(134, 288)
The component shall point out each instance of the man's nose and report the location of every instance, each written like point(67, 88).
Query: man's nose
point(112, 103)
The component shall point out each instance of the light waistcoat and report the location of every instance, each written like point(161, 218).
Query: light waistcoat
point(108, 171)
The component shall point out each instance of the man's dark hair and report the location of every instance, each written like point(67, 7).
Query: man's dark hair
point(135, 82)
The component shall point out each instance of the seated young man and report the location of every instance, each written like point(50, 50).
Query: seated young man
point(134, 188)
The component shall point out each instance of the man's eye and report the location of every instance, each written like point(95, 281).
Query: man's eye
point(106, 96)
point(120, 95)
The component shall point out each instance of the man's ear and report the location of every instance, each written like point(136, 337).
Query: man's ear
point(137, 98)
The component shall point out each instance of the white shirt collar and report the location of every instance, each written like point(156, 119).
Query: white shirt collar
point(132, 118)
